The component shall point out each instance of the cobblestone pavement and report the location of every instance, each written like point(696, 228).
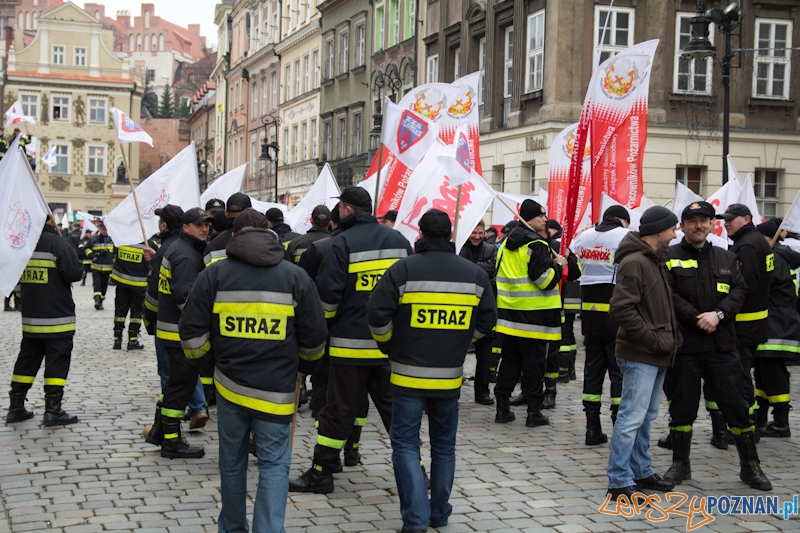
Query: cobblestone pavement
point(100, 475)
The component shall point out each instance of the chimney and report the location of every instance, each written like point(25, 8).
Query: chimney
point(125, 18)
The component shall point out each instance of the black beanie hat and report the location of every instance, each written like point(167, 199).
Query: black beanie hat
point(655, 220)
point(553, 224)
point(618, 211)
point(770, 227)
point(530, 209)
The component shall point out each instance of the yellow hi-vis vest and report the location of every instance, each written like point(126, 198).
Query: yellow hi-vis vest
point(518, 295)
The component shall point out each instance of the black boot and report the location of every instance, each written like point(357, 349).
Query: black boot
point(7, 306)
point(779, 427)
point(517, 400)
point(98, 303)
point(594, 430)
point(155, 433)
point(53, 414)
point(549, 394)
point(504, 414)
point(719, 431)
point(83, 279)
point(134, 344)
point(351, 455)
point(572, 356)
point(174, 446)
point(117, 343)
point(315, 479)
point(16, 408)
point(535, 416)
point(681, 446)
point(750, 472)
point(665, 441)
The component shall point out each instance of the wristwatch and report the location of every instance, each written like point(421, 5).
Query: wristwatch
point(720, 314)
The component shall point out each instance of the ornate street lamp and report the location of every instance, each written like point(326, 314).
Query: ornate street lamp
point(391, 79)
point(269, 150)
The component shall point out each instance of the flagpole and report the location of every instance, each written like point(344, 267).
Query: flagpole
point(378, 180)
point(458, 212)
point(775, 238)
point(133, 191)
point(525, 222)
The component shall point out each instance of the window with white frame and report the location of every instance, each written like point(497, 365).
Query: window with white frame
point(481, 69)
point(61, 108)
point(357, 133)
point(394, 22)
point(30, 104)
point(534, 66)
point(380, 26)
point(313, 138)
point(692, 76)
point(295, 145)
point(361, 35)
point(508, 61)
point(97, 110)
point(254, 99)
point(58, 55)
point(411, 19)
point(303, 140)
point(273, 81)
point(432, 69)
point(341, 136)
point(457, 63)
point(618, 35)
point(287, 84)
point(62, 160)
point(329, 58)
point(286, 143)
point(344, 51)
point(80, 56)
point(691, 177)
point(772, 59)
point(306, 74)
point(315, 66)
point(327, 138)
point(532, 177)
point(264, 96)
point(767, 192)
point(96, 160)
point(297, 78)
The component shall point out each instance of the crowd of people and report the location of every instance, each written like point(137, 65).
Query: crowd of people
point(242, 309)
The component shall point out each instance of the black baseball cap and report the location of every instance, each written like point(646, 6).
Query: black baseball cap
point(215, 204)
point(735, 210)
point(435, 223)
point(274, 214)
point(171, 214)
point(321, 214)
point(698, 208)
point(195, 215)
point(356, 196)
point(390, 215)
point(238, 202)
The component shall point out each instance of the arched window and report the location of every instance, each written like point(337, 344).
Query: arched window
point(97, 14)
point(155, 42)
point(27, 21)
point(146, 43)
point(130, 44)
point(35, 20)
point(147, 19)
point(139, 41)
point(161, 43)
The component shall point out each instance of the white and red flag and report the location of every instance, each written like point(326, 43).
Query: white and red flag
point(23, 211)
point(175, 183)
point(224, 186)
point(456, 161)
point(726, 195)
point(323, 192)
point(127, 130)
point(14, 115)
point(407, 134)
point(430, 188)
point(683, 196)
point(558, 184)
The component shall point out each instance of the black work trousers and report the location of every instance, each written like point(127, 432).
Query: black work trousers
point(128, 299)
point(720, 372)
point(772, 381)
point(483, 361)
point(522, 356)
point(56, 353)
point(183, 373)
point(319, 387)
point(600, 360)
point(346, 387)
point(568, 343)
point(100, 283)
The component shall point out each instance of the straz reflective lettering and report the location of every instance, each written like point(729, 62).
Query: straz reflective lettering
point(440, 316)
point(34, 275)
point(163, 284)
point(770, 262)
point(132, 256)
point(366, 281)
point(261, 326)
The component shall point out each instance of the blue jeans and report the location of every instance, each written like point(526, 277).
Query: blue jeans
point(274, 459)
point(198, 401)
point(417, 512)
point(641, 393)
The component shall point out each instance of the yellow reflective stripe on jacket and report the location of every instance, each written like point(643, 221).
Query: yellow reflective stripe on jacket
point(383, 333)
point(366, 266)
point(312, 354)
point(681, 263)
point(515, 290)
point(197, 347)
point(252, 308)
point(780, 345)
point(102, 268)
point(355, 349)
point(426, 378)
point(167, 331)
point(151, 303)
point(530, 331)
point(42, 263)
point(274, 403)
point(212, 257)
point(594, 306)
point(439, 298)
point(126, 279)
point(750, 317)
point(48, 325)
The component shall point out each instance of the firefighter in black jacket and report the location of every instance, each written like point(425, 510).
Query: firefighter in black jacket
point(276, 224)
point(261, 320)
point(87, 261)
point(215, 250)
point(708, 292)
point(772, 377)
point(571, 306)
point(354, 263)
point(180, 266)
point(101, 251)
point(756, 262)
point(48, 326)
point(130, 272)
point(423, 313)
point(320, 220)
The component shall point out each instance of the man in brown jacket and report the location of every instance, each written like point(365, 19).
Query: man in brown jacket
point(647, 340)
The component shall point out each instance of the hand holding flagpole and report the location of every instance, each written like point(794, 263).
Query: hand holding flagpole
point(127, 132)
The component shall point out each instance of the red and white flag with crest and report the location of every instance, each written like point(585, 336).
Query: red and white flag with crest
point(407, 134)
point(127, 130)
point(558, 185)
point(175, 183)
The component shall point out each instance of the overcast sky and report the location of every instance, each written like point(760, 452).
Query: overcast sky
point(180, 12)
